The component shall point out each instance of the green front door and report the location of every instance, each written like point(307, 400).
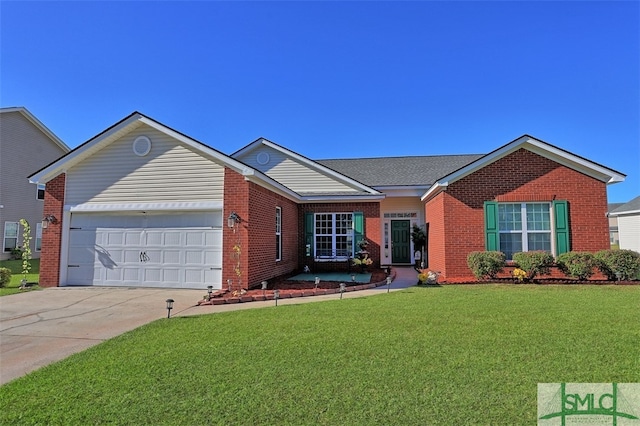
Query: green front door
point(400, 241)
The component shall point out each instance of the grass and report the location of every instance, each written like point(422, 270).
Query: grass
point(450, 355)
point(16, 275)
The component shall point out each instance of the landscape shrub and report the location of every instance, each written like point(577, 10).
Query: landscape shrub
point(5, 276)
point(618, 264)
point(577, 264)
point(534, 262)
point(485, 264)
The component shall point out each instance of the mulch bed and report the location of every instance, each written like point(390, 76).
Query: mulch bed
point(289, 289)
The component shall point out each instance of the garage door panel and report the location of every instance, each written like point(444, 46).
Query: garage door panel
point(177, 257)
point(170, 257)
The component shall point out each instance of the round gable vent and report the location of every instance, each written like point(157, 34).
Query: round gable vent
point(141, 146)
point(262, 158)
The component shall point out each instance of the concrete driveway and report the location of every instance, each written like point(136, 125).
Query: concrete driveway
point(38, 328)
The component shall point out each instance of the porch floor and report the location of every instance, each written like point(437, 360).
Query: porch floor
point(342, 277)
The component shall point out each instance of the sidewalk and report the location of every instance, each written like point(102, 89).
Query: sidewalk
point(39, 328)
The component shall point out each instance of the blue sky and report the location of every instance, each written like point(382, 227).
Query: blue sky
point(337, 79)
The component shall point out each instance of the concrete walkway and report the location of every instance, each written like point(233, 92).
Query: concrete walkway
point(40, 327)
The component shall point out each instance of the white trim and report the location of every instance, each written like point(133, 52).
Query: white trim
point(64, 247)
point(340, 198)
point(35, 240)
point(628, 212)
point(165, 206)
point(4, 236)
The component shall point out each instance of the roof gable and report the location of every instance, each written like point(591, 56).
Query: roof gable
point(565, 158)
point(39, 125)
point(299, 173)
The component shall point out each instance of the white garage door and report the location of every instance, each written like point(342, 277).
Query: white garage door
point(162, 250)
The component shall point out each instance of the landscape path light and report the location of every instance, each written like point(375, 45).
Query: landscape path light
point(276, 295)
point(388, 284)
point(209, 291)
point(343, 287)
point(317, 282)
point(169, 307)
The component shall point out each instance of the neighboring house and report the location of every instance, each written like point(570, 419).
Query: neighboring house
point(614, 238)
point(26, 145)
point(628, 216)
point(144, 205)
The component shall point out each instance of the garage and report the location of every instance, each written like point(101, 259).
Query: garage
point(143, 249)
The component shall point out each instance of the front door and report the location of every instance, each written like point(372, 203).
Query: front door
point(400, 241)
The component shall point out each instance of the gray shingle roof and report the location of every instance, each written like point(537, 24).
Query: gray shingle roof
point(631, 206)
point(399, 171)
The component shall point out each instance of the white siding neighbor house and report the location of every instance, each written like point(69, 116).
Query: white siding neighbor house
point(628, 216)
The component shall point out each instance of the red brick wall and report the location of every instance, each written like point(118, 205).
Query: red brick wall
point(371, 212)
point(519, 177)
point(262, 225)
point(255, 234)
point(52, 235)
point(434, 212)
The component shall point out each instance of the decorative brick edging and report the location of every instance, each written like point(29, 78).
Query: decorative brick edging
point(221, 297)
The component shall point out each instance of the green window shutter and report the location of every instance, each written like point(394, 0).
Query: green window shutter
point(358, 226)
point(308, 233)
point(561, 216)
point(492, 236)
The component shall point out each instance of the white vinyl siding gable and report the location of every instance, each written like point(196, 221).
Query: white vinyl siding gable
point(293, 174)
point(170, 172)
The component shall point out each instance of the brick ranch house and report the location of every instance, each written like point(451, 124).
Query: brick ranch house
point(141, 204)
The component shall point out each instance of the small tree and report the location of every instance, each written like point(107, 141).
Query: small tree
point(485, 263)
point(419, 238)
point(26, 249)
point(534, 262)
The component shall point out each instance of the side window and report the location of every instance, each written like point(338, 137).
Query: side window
point(10, 236)
point(39, 236)
point(278, 233)
point(40, 191)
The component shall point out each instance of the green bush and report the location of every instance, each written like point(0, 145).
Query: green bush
point(577, 264)
point(5, 276)
point(618, 264)
point(534, 262)
point(485, 264)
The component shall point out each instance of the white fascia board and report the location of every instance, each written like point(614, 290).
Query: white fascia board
point(402, 191)
point(341, 199)
point(312, 165)
point(435, 188)
point(580, 164)
point(543, 149)
point(265, 181)
point(629, 212)
point(161, 206)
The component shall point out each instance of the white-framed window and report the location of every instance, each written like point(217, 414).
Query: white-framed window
point(278, 233)
point(10, 236)
point(40, 189)
point(524, 227)
point(38, 236)
point(333, 236)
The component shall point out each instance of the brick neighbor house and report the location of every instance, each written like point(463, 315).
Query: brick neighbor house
point(141, 204)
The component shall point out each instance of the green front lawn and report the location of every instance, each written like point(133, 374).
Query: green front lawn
point(16, 275)
point(451, 355)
